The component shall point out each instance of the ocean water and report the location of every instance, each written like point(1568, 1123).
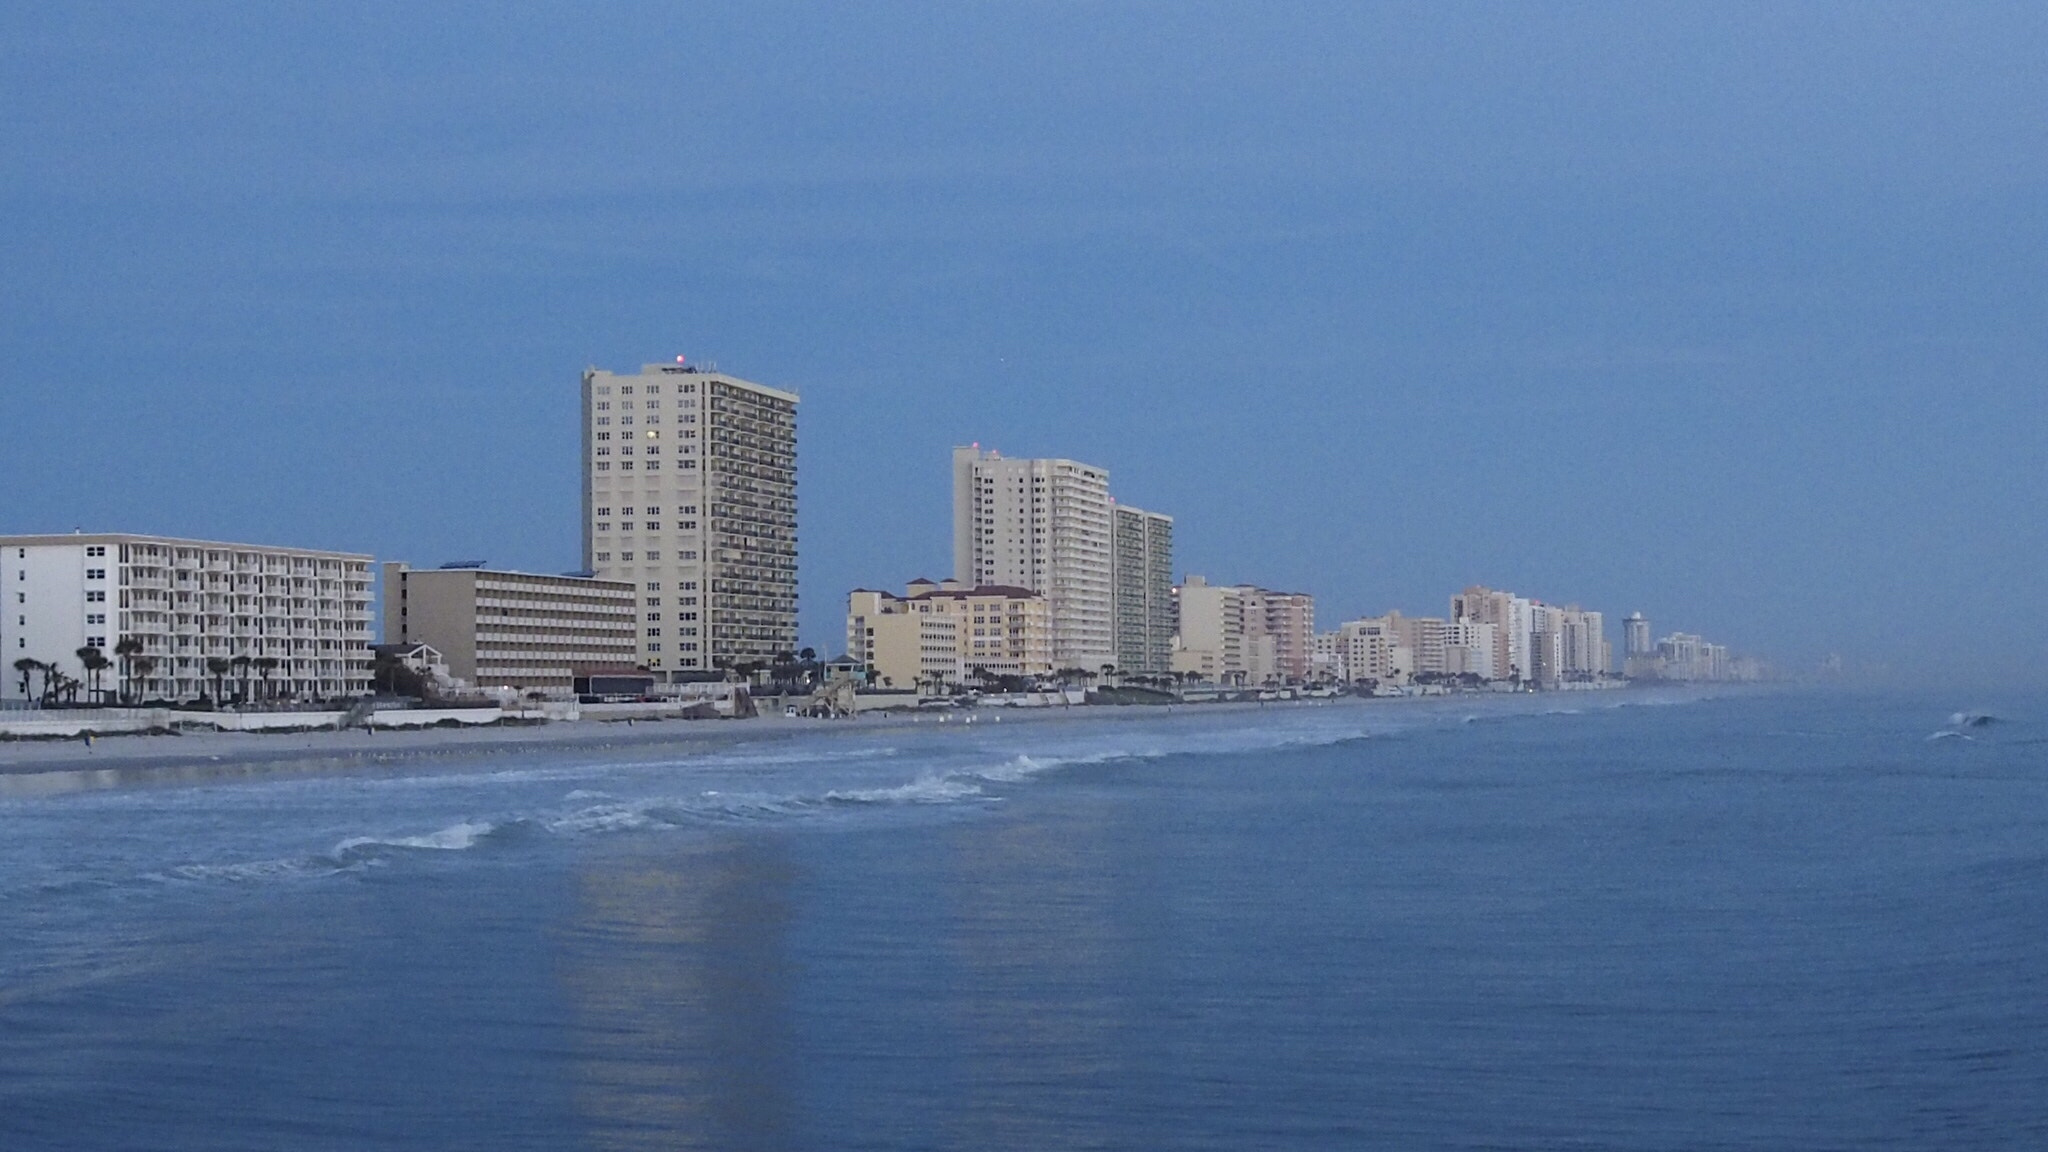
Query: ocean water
point(1643, 920)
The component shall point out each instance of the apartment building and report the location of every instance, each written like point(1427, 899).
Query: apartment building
point(944, 627)
point(1043, 525)
point(520, 630)
point(1141, 569)
point(1211, 639)
point(204, 618)
point(689, 495)
point(1372, 650)
point(1469, 649)
point(1510, 616)
point(904, 646)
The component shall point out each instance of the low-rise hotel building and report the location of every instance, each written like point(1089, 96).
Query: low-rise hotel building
point(520, 630)
point(997, 629)
point(199, 618)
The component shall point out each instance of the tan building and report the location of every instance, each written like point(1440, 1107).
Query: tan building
point(1242, 634)
point(1372, 650)
point(1045, 525)
point(689, 495)
point(906, 647)
point(519, 630)
point(1280, 628)
point(1210, 641)
point(290, 623)
point(998, 629)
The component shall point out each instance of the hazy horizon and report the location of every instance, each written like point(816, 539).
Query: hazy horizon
point(1731, 315)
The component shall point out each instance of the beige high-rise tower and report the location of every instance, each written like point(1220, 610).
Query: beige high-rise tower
point(689, 494)
point(1045, 525)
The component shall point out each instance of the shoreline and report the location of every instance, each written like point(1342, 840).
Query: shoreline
point(114, 761)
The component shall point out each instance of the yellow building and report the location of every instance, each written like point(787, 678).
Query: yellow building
point(950, 631)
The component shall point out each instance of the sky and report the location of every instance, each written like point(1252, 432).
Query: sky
point(1729, 314)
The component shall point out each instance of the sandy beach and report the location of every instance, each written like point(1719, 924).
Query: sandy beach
point(43, 766)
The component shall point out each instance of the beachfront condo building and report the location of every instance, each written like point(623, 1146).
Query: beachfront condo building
point(172, 619)
point(523, 631)
point(1141, 569)
point(689, 495)
point(1509, 614)
point(1044, 525)
point(950, 632)
point(1243, 634)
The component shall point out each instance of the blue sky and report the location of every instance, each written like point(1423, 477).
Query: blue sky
point(1732, 314)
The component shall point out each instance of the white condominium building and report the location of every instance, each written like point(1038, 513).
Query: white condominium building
point(519, 630)
point(689, 495)
point(1141, 564)
point(180, 619)
point(1044, 525)
point(1510, 616)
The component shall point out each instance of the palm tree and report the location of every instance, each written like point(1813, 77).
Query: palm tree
point(217, 667)
point(265, 665)
point(127, 648)
point(95, 662)
point(143, 667)
point(28, 666)
point(241, 666)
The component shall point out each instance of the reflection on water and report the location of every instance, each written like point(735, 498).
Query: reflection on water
point(1035, 931)
point(677, 974)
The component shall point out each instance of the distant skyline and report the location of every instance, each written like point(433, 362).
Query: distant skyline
point(1729, 314)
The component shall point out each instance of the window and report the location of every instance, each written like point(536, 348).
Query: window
point(654, 631)
point(607, 451)
point(625, 555)
point(607, 511)
point(21, 597)
point(625, 511)
point(654, 555)
point(90, 618)
point(604, 466)
point(626, 391)
point(654, 647)
point(625, 419)
point(95, 573)
point(653, 510)
point(689, 555)
point(690, 599)
point(96, 597)
point(604, 526)
point(686, 615)
point(604, 420)
point(604, 435)
point(654, 525)
point(604, 556)
point(689, 585)
point(687, 525)
point(689, 509)
point(653, 602)
point(95, 641)
point(654, 585)
point(96, 550)
point(604, 406)
point(624, 465)
point(654, 617)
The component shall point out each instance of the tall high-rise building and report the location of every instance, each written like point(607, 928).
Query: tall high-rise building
point(1511, 617)
point(689, 494)
point(1045, 525)
point(1141, 568)
point(1635, 632)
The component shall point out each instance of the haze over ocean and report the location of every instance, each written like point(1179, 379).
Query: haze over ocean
point(1728, 313)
